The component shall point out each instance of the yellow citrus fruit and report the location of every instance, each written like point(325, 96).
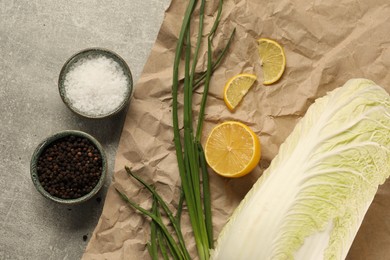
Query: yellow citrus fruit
point(232, 149)
point(236, 88)
point(273, 60)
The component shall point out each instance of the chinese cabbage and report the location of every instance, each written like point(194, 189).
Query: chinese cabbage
point(311, 201)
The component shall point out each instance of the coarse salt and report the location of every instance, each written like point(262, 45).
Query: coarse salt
point(96, 85)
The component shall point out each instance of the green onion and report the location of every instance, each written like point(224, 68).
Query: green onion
point(198, 82)
point(166, 209)
point(153, 244)
point(176, 250)
point(160, 236)
point(180, 206)
point(192, 166)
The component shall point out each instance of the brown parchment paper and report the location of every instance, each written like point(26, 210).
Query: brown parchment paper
point(326, 43)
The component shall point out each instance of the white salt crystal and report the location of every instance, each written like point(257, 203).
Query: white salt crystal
point(96, 85)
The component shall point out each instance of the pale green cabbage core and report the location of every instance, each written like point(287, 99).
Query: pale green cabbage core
point(310, 202)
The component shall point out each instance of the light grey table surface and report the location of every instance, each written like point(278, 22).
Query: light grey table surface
point(36, 38)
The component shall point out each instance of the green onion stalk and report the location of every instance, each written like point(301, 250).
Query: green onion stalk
point(192, 166)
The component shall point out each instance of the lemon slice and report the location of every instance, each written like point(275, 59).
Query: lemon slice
point(232, 149)
point(273, 60)
point(236, 88)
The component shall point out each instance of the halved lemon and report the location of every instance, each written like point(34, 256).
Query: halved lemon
point(236, 88)
point(232, 149)
point(273, 60)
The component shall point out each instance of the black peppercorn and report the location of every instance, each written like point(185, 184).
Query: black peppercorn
point(70, 167)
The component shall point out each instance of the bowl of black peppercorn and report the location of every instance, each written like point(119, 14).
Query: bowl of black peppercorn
point(69, 167)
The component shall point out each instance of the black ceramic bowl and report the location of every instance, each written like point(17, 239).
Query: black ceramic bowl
point(93, 53)
point(49, 142)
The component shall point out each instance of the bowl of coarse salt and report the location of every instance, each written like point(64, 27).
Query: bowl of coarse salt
point(95, 83)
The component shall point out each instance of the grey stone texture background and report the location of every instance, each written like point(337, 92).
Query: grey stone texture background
point(36, 38)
